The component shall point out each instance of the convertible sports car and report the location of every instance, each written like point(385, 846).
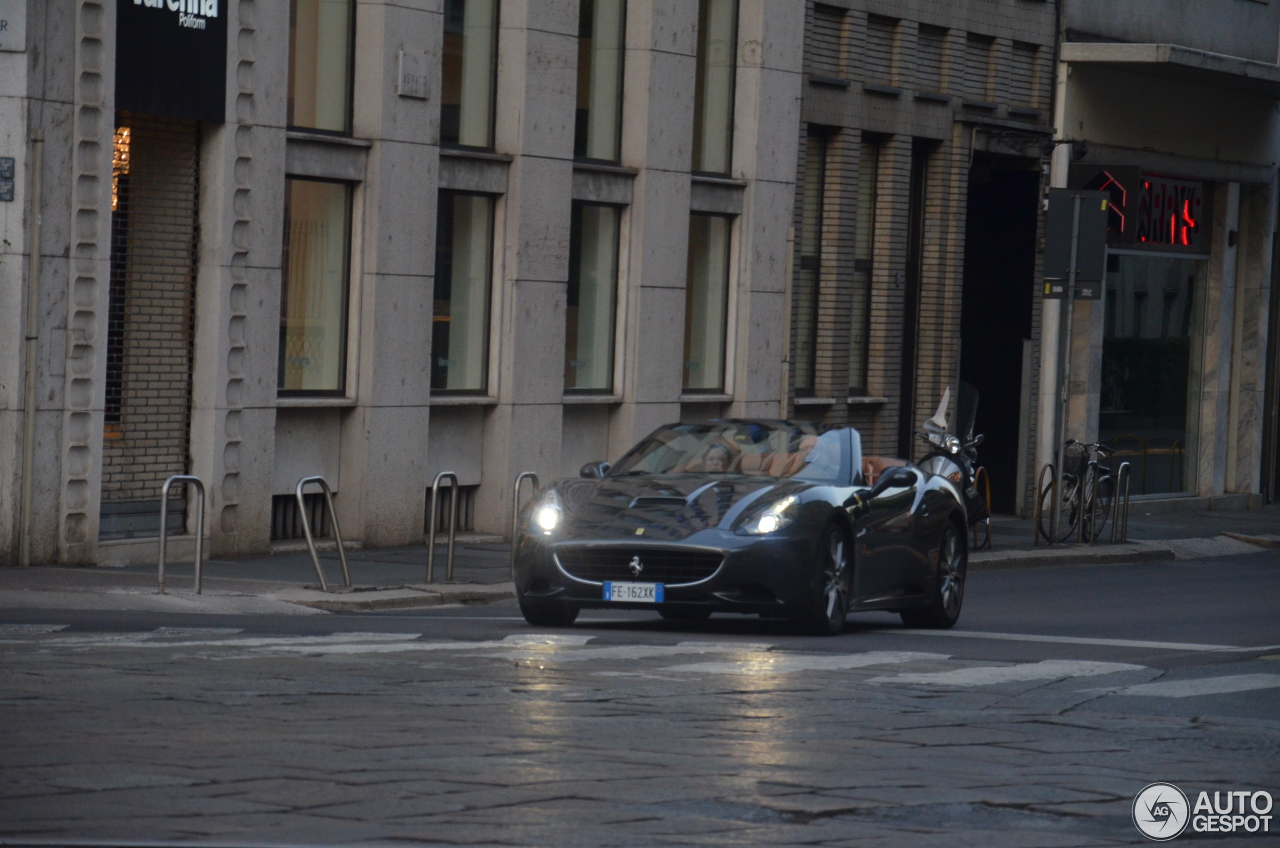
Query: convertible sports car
point(775, 518)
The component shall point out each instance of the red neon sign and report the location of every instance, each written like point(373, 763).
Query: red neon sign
point(1169, 213)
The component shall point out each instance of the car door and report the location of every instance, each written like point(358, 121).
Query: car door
point(888, 556)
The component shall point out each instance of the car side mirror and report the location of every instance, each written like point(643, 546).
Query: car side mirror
point(594, 470)
point(897, 477)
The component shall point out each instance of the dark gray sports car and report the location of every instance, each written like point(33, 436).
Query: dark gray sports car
point(774, 518)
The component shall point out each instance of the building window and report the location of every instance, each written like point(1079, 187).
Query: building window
point(808, 280)
point(601, 31)
point(464, 263)
point(313, 305)
point(714, 91)
point(827, 56)
point(592, 298)
point(878, 54)
point(706, 302)
point(469, 71)
point(320, 60)
point(863, 261)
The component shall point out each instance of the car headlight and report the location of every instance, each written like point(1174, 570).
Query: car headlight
point(774, 518)
point(547, 517)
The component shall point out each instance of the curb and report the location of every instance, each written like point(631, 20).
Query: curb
point(1263, 541)
point(404, 597)
point(1069, 556)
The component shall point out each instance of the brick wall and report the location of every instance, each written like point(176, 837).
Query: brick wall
point(153, 274)
point(982, 54)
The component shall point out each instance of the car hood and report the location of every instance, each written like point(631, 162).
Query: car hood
point(665, 507)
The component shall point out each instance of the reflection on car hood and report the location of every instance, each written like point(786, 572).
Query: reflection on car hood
point(667, 507)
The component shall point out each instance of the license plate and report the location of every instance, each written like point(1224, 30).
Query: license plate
point(636, 593)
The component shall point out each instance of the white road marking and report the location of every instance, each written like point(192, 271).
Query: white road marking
point(1022, 672)
point(637, 652)
point(198, 631)
point(30, 629)
point(786, 663)
point(1205, 686)
point(1079, 640)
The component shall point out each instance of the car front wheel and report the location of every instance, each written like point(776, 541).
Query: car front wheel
point(948, 595)
point(830, 604)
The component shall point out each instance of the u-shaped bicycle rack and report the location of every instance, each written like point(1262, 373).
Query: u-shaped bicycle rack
point(164, 526)
point(453, 525)
point(515, 512)
point(306, 529)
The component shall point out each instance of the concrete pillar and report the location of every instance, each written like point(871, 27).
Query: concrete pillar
point(767, 111)
point(384, 438)
point(238, 284)
point(537, 90)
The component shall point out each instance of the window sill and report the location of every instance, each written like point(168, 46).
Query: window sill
point(866, 401)
point(713, 179)
point(474, 153)
point(1025, 112)
point(316, 402)
point(985, 105)
point(463, 400)
point(707, 398)
point(815, 401)
point(933, 96)
point(571, 400)
point(603, 167)
point(327, 138)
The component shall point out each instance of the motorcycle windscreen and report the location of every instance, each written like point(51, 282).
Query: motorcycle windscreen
point(966, 412)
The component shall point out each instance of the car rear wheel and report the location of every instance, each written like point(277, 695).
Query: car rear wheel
point(548, 614)
point(685, 613)
point(830, 604)
point(948, 596)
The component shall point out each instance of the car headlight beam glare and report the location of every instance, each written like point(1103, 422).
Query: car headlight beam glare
point(547, 517)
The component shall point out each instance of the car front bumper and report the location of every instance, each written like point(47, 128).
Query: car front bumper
point(767, 575)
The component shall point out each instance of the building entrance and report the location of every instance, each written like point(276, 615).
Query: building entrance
point(996, 306)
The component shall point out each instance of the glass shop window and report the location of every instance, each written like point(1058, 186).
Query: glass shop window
point(313, 304)
point(706, 302)
point(469, 72)
point(464, 270)
point(714, 86)
point(592, 298)
point(598, 128)
point(320, 60)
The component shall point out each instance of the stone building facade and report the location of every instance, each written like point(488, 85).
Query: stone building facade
point(424, 236)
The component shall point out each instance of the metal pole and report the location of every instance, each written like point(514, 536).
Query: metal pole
point(306, 529)
point(453, 524)
point(515, 513)
point(164, 528)
point(32, 333)
point(1064, 353)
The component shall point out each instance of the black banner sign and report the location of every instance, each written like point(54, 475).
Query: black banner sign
point(171, 58)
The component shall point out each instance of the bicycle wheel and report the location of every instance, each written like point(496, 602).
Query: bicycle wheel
point(1068, 508)
point(1103, 492)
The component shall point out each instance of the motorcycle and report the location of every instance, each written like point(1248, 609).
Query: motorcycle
point(953, 453)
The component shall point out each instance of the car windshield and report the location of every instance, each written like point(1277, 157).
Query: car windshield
point(745, 448)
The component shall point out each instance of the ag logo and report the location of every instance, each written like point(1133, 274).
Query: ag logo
point(1161, 812)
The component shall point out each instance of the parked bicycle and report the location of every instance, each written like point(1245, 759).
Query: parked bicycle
point(1086, 493)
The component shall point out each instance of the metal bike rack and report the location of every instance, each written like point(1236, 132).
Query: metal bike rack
point(164, 525)
point(1039, 511)
point(515, 512)
point(306, 528)
point(1142, 443)
point(453, 525)
point(1090, 473)
point(1124, 478)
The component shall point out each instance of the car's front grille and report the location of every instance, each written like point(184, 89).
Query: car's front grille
point(656, 565)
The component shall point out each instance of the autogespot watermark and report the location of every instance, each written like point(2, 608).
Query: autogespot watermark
point(1162, 812)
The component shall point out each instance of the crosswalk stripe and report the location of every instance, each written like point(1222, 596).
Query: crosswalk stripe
point(1205, 686)
point(1080, 640)
point(780, 663)
point(1020, 673)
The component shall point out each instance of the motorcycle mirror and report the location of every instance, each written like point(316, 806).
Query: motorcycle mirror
point(978, 439)
point(594, 470)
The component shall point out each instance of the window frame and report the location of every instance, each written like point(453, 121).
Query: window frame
point(349, 291)
point(867, 266)
point(493, 95)
point(491, 301)
point(614, 357)
point(728, 335)
point(622, 77)
point(351, 74)
point(696, 149)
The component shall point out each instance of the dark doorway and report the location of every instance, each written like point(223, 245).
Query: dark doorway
point(999, 280)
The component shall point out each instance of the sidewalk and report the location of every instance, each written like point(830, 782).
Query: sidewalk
point(395, 578)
